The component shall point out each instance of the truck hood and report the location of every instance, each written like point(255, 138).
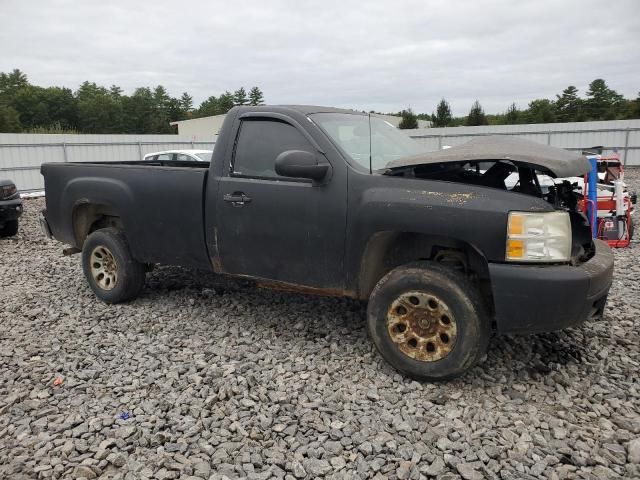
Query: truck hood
point(559, 162)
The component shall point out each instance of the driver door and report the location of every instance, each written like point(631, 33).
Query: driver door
point(279, 228)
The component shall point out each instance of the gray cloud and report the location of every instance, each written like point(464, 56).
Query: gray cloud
point(372, 54)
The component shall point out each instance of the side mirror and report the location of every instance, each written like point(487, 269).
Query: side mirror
point(300, 164)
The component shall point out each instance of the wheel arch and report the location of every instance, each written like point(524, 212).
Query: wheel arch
point(86, 217)
point(387, 250)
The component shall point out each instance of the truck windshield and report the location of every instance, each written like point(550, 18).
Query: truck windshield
point(368, 140)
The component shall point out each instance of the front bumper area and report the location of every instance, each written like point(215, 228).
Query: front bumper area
point(10, 210)
point(534, 299)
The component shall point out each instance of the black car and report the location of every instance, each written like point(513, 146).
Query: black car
point(10, 208)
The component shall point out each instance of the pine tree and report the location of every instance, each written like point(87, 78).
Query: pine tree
point(240, 97)
point(115, 91)
point(603, 103)
point(409, 120)
point(442, 117)
point(208, 108)
point(186, 102)
point(226, 102)
point(568, 105)
point(256, 97)
point(476, 115)
point(10, 83)
point(512, 115)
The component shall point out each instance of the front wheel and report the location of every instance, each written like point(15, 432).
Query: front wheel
point(428, 321)
point(112, 273)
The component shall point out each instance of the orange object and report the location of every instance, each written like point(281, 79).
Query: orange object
point(515, 249)
point(58, 381)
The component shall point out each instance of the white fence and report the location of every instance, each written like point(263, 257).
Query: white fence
point(616, 135)
point(22, 154)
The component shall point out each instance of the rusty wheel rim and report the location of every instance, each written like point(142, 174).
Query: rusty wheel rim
point(422, 326)
point(104, 268)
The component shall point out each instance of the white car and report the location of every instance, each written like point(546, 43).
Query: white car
point(181, 155)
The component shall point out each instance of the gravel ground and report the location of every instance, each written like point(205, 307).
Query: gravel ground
point(198, 379)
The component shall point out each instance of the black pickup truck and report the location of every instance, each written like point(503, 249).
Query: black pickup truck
point(337, 202)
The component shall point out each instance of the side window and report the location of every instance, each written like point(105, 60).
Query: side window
point(183, 158)
point(164, 156)
point(259, 144)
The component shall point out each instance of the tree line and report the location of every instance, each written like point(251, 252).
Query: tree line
point(96, 109)
point(600, 103)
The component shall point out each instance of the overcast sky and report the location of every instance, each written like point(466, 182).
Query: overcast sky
point(365, 54)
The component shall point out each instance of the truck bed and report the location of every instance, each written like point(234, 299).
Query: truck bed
point(159, 204)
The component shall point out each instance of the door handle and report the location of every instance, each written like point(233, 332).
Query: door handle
point(236, 198)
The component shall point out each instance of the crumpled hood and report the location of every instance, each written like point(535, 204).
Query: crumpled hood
point(559, 162)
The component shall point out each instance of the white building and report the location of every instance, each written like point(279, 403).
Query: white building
point(198, 128)
point(210, 126)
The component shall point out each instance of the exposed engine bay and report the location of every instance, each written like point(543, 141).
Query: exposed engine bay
point(517, 177)
point(504, 175)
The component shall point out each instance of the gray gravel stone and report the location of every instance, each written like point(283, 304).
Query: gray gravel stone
point(634, 451)
point(219, 379)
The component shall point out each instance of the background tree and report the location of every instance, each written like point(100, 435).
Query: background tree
point(30, 103)
point(442, 117)
point(603, 103)
point(226, 102)
point(569, 105)
point(256, 97)
point(138, 111)
point(100, 114)
point(409, 120)
point(207, 108)
point(240, 97)
point(186, 103)
point(476, 115)
point(633, 108)
point(9, 120)
point(512, 115)
point(11, 82)
point(541, 111)
point(115, 91)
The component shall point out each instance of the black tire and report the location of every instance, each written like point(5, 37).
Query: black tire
point(442, 347)
point(106, 252)
point(9, 229)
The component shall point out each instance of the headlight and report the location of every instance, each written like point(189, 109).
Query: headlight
point(538, 237)
point(7, 191)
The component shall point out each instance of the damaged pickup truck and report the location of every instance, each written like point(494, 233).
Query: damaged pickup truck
point(336, 202)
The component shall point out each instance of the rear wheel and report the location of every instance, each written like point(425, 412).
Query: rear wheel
point(9, 229)
point(112, 273)
point(428, 321)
